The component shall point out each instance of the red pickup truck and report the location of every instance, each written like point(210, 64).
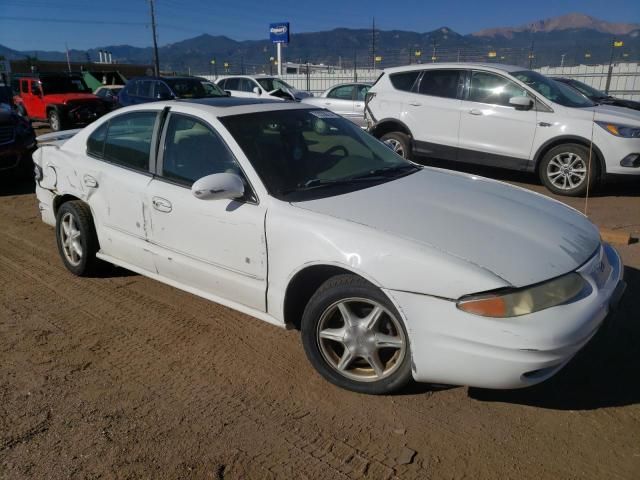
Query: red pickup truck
point(63, 100)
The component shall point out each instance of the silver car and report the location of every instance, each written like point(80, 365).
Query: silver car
point(346, 99)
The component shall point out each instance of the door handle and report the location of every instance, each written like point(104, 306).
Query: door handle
point(161, 204)
point(415, 104)
point(327, 103)
point(358, 105)
point(475, 111)
point(89, 181)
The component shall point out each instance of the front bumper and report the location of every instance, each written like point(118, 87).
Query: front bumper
point(450, 346)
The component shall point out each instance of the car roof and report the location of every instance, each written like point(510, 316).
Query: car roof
point(224, 106)
point(487, 66)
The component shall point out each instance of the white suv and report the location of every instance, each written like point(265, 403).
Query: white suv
point(504, 116)
point(261, 86)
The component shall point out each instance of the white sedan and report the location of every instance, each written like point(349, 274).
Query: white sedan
point(346, 99)
point(296, 216)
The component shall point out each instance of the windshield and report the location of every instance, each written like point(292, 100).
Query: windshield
point(555, 91)
point(213, 90)
point(586, 89)
point(63, 85)
point(304, 154)
point(271, 84)
point(191, 88)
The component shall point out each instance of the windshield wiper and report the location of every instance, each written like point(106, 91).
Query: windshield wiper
point(388, 172)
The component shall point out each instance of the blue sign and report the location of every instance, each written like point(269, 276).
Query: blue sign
point(279, 32)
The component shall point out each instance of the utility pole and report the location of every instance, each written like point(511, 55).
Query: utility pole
point(562, 60)
point(531, 55)
point(156, 61)
point(373, 44)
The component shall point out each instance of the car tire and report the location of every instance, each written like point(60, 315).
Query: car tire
point(399, 142)
point(55, 122)
point(567, 170)
point(355, 338)
point(76, 238)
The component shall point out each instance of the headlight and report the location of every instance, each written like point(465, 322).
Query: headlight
point(618, 130)
point(524, 301)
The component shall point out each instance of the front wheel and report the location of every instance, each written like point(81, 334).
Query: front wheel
point(567, 170)
point(355, 338)
point(399, 143)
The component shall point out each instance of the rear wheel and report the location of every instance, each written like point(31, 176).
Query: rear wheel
point(355, 338)
point(76, 238)
point(399, 143)
point(55, 122)
point(567, 170)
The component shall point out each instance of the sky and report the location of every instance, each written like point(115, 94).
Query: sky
point(51, 24)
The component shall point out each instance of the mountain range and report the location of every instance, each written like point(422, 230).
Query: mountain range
point(573, 36)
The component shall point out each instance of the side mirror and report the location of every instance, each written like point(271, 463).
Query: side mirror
point(521, 103)
point(228, 93)
point(218, 186)
point(257, 91)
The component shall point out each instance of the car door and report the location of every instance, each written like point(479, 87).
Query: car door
point(360, 93)
point(493, 132)
point(232, 84)
point(115, 174)
point(432, 112)
point(216, 247)
point(340, 100)
point(33, 97)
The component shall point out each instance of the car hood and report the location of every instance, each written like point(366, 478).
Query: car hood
point(617, 114)
point(521, 236)
point(75, 97)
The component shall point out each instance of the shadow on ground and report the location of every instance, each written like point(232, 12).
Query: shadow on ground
point(606, 373)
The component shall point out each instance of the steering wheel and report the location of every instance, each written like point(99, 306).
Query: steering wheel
point(337, 148)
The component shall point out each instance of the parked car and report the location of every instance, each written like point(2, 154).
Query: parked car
point(109, 94)
point(261, 85)
point(151, 89)
point(504, 116)
point(598, 96)
point(296, 216)
point(63, 100)
point(346, 99)
point(17, 138)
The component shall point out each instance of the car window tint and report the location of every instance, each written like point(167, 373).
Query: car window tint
point(221, 83)
point(344, 92)
point(95, 143)
point(361, 92)
point(101, 93)
point(246, 85)
point(128, 140)
point(403, 81)
point(494, 89)
point(232, 84)
point(162, 91)
point(145, 88)
point(440, 83)
point(192, 151)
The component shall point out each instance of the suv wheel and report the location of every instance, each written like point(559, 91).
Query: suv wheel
point(565, 170)
point(355, 338)
point(399, 143)
point(54, 120)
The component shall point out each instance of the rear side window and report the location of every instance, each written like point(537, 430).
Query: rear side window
point(440, 83)
point(95, 144)
point(128, 140)
point(404, 81)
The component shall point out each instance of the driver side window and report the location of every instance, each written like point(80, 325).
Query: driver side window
point(192, 151)
point(493, 89)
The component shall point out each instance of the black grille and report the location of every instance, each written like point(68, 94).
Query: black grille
point(6, 134)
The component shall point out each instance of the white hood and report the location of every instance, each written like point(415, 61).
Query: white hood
point(520, 236)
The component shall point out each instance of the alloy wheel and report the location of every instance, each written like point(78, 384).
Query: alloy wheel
point(395, 145)
point(71, 239)
point(361, 339)
point(567, 171)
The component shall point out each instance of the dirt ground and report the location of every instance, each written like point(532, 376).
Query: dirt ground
point(123, 377)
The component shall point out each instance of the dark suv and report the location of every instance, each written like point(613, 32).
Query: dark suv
point(151, 89)
point(17, 138)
